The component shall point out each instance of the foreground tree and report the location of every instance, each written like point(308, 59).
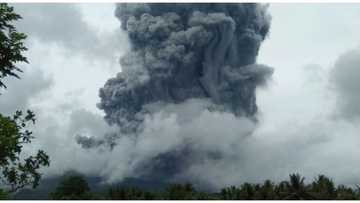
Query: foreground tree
point(16, 172)
point(11, 44)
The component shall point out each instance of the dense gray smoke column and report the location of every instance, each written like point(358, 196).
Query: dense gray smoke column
point(181, 51)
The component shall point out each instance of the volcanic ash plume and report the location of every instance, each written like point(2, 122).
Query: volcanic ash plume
point(186, 95)
point(183, 51)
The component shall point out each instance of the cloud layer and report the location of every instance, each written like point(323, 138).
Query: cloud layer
point(64, 25)
point(345, 81)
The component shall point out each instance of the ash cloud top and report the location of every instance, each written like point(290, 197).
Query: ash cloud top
point(183, 51)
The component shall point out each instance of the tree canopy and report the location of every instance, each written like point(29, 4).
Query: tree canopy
point(11, 44)
point(16, 172)
point(295, 188)
point(72, 187)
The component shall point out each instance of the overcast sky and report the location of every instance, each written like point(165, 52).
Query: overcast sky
point(309, 110)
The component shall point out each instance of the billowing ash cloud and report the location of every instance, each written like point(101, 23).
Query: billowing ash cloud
point(189, 65)
point(182, 51)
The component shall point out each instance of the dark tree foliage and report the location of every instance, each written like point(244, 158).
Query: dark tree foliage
point(180, 192)
point(131, 193)
point(267, 191)
point(15, 172)
point(18, 173)
point(296, 188)
point(322, 188)
point(3, 195)
point(72, 187)
point(172, 192)
point(345, 193)
point(11, 44)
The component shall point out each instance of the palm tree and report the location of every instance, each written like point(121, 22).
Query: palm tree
point(131, 193)
point(180, 192)
point(297, 189)
point(230, 193)
point(247, 192)
point(323, 188)
point(266, 191)
point(281, 190)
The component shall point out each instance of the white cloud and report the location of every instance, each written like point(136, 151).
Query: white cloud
point(71, 26)
point(345, 80)
point(15, 98)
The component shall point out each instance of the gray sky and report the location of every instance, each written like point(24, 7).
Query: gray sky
point(305, 124)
